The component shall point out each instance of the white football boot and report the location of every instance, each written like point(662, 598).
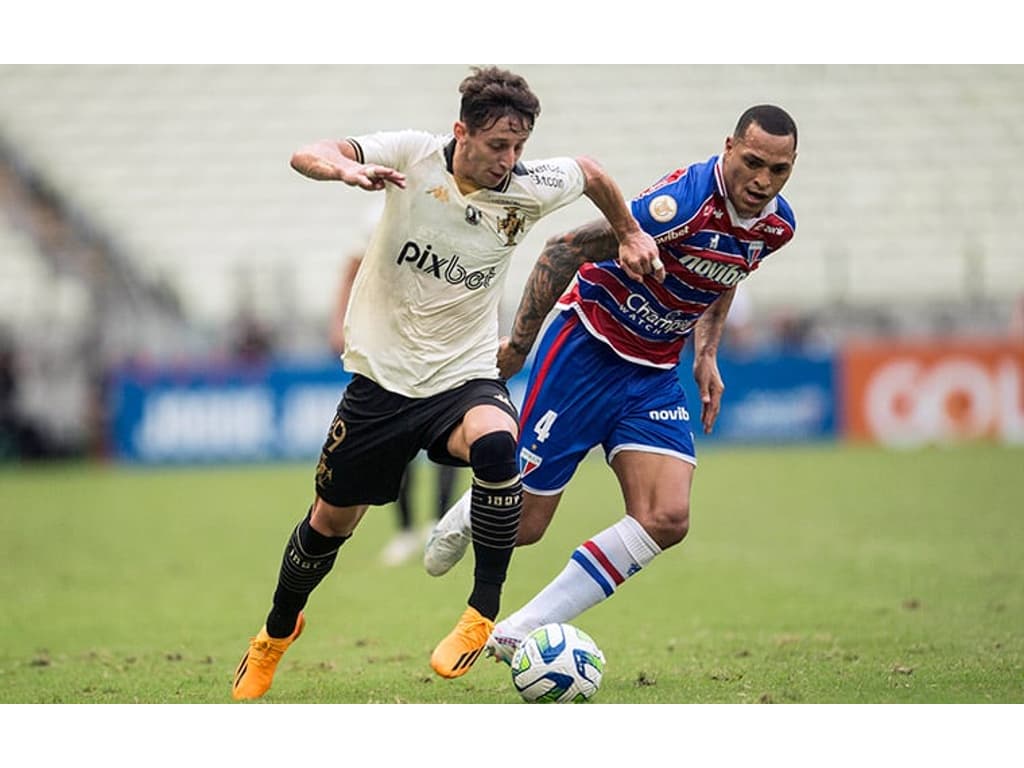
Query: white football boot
point(449, 539)
point(503, 642)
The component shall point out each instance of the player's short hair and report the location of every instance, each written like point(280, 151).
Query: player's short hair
point(772, 119)
point(490, 94)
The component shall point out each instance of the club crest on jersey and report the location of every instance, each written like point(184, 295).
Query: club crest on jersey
point(663, 208)
point(511, 225)
point(528, 461)
point(754, 251)
point(473, 214)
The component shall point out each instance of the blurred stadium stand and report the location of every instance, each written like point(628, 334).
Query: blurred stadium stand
point(146, 209)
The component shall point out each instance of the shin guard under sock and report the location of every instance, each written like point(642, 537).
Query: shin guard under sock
point(308, 557)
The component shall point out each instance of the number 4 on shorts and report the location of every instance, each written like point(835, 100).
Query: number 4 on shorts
point(543, 426)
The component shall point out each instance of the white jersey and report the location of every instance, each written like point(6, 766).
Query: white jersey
point(423, 314)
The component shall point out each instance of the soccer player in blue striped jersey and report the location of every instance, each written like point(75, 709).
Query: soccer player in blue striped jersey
point(605, 370)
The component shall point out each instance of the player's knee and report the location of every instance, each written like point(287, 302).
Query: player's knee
point(668, 524)
point(493, 457)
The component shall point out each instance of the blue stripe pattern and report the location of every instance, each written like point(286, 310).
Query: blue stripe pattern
point(595, 574)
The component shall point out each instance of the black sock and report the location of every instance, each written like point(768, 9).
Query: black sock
point(495, 507)
point(308, 557)
point(494, 514)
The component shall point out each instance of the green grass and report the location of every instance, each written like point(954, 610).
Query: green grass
point(822, 574)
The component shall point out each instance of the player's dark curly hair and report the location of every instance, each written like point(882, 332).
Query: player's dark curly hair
point(774, 120)
point(490, 94)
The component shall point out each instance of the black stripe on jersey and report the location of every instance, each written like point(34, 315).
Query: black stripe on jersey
point(358, 149)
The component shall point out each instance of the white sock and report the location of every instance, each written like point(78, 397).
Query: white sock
point(594, 572)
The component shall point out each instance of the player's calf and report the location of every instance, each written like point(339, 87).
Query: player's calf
point(495, 507)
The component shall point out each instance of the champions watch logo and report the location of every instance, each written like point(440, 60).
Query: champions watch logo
point(447, 269)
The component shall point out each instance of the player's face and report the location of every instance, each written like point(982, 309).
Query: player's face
point(756, 167)
point(484, 157)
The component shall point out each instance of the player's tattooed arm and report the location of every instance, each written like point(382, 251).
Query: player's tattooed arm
point(557, 264)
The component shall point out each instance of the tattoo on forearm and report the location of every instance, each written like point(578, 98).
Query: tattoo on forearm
point(553, 272)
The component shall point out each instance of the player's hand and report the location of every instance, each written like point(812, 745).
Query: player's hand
point(373, 177)
point(710, 385)
point(638, 256)
point(510, 362)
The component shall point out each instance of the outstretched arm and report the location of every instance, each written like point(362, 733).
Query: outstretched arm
point(551, 275)
point(638, 253)
point(330, 160)
point(706, 336)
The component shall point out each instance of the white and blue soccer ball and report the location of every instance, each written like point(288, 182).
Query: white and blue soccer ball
point(557, 663)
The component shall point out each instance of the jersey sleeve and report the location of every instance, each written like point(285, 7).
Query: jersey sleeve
point(674, 199)
point(395, 149)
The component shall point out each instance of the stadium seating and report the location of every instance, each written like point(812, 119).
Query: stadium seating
point(904, 190)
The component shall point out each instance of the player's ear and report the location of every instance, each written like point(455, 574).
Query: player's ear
point(460, 130)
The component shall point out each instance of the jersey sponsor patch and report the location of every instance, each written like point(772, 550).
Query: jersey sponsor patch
point(528, 461)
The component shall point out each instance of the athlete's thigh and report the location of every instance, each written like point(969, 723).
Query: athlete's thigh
point(655, 418)
point(653, 483)
point(478, 421)
point(570, 404)
point(652, 453)
point(457, 418)
point(372, 438)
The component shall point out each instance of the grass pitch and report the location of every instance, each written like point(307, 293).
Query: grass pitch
point(821, 574)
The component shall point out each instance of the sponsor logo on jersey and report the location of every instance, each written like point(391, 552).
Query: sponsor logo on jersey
point(528, 461)
point(447, 269)
point(679, 413)
point(645, 314)
point(663, 208)
point(502, 399)
point(725, 274)
point(769, 229)
point(439, 193)
point(673, 234)
point(511, 225)
point(547, 175)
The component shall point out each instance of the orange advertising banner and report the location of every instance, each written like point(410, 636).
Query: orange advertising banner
point(906, 394)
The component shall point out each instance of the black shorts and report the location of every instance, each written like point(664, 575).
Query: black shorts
point(376, 433)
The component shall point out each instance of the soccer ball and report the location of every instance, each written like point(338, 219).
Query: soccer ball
point(557, 663)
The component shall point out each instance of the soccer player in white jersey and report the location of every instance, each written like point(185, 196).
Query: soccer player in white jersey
point(421, 336)
point(605, 372)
